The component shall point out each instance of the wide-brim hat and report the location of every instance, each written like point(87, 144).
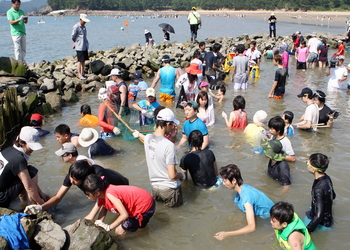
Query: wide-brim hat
point(87, 137)
point(84, 18)
point(193, 69)
point(102, 93)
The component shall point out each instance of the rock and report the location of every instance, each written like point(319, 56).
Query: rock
point(48, 85)
point(24, 89)
point(49, 235)
point(91, 85)
point(106, 69)
point(69, 72)
point(58, 76)
point(55, 101)
point(70, 96)
point(3, 244)
point(85, 235)
point(92, 78)
point(96, 66)
point(12, 67)
point(31, 101)
point(128, 62)
point(68, 83)
point(117, 49)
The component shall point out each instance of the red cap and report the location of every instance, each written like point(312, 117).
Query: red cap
point(37, 117)
point(113, 89)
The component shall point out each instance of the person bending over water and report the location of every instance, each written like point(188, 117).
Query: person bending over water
point(250, 200)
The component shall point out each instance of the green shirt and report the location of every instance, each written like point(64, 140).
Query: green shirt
point(193, 17)
point(17, 29)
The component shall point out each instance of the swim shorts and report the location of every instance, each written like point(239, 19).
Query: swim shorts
point(301, 65)
point(277, 97)
point(166, 98)
point(82, 56)
point(132, 224)
point(170, 196)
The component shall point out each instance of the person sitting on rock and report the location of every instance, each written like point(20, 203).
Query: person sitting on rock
point(63, 135)
point(36, 121)
point(78, 172)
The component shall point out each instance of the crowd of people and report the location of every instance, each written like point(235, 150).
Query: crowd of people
point(197, 84)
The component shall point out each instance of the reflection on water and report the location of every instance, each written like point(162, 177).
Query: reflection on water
point(204, 213)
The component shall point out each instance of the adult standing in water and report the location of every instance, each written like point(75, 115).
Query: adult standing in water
point(272, 25)
point(17, 19)
point(81, 44)
point(194, 20)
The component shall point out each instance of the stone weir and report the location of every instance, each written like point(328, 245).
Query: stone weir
point(44, 87)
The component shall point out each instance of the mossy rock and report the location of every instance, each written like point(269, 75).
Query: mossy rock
point(12, 67)
point(32, 100)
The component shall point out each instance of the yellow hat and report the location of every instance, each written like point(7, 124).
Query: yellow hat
point(194, 8)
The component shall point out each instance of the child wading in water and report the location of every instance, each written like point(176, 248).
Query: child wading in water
point(238, 117)
point(288, 119)
point(134, 205)
point(205, 111)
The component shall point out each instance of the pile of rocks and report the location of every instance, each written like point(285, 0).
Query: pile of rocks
point(43, 233)
point(47, 86)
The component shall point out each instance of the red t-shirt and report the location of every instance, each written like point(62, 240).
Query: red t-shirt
point(240, 120)
point(135, 200)
point(341, 50)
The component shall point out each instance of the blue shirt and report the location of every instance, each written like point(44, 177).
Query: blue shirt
point(79, 33)
point(167, 78)
point(289, 131)
point(197, 124)
point(259, 201)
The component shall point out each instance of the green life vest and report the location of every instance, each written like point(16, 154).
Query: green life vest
point(296, 225)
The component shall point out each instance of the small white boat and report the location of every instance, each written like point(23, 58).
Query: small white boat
point(41, 21)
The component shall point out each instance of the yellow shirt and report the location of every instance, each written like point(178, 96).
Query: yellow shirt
point(88, 120)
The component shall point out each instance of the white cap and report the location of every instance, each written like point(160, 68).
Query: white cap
point(260, 117)
point(151, 92)
point(87, 137)
point(115, 72)
point(84, 18)
point(167, 115)
point(31, 136)
point(102, 93)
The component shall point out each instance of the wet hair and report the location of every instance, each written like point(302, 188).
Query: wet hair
point(14, 1)
point(79, 170)
point(278, 59)
point(196, 139)
point(231, 172)
point(94, 183)
point(277, 123)
point(35, 123)
point(190, 105)
point(268, 47)
point(320, 95)
point(201, 44)
point(253, 42)
point(62, 129)
point(320, 161)
point(157, 109)
point(238, 103)
point(200, 96)
point(85, 109)
point(303, 43)
point(192, 78)
point(288, 115)
point(216, 47)
point(196, 54)
point(283, 212)
point(223, 89)
point(240, 48)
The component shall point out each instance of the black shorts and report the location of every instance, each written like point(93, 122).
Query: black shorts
point(82, 56)
point(132, 224)
point(301, 65)
point(11, 193)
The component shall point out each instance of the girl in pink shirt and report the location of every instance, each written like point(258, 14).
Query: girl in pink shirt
point(301, 55)
point(134, 205)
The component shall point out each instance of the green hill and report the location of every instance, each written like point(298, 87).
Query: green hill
point(33, 5)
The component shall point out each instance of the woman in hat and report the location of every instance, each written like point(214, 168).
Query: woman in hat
point(189, 81)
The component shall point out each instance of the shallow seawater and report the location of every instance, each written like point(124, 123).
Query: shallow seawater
point(205, 212)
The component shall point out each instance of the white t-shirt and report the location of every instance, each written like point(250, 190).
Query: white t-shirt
point(83, 157)
point(313, 44)
point(335, 74)
point(312, 114)
point(160, 152)
point(253, 55)
point(287, 146)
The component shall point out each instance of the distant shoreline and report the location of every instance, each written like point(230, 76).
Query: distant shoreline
point(335, 16)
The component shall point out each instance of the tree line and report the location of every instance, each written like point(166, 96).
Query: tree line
point(139, 5)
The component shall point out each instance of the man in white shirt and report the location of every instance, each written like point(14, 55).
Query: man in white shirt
point(313, 45)
point(309, 120)
point(254, 54)
point(338, 75)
